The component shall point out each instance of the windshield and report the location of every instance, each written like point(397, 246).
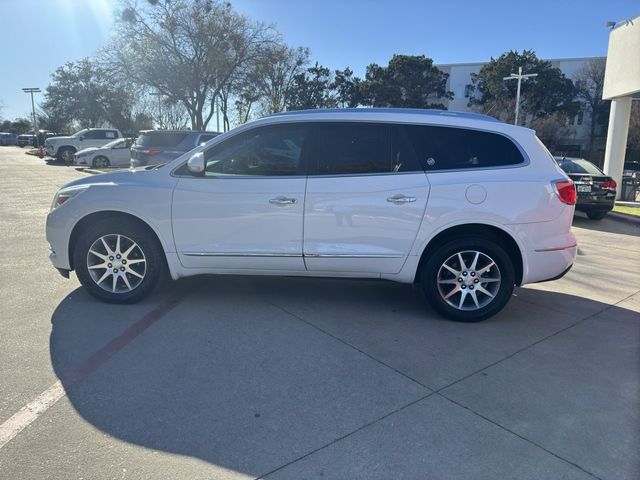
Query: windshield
point(115, 144)
point(80, 133)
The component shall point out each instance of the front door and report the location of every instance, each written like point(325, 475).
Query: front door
point(246, 211)
point(366, 197)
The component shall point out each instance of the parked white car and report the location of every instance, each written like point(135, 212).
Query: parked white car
point(63, 148)
point(463, 204)
point(113, 154)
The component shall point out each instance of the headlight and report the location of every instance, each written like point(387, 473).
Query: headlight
point(65, 194)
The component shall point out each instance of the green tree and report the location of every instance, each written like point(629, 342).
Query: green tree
point(548, 93)
point(85, 94)
point(312, 89)
point(406, 82)
point(347, 88)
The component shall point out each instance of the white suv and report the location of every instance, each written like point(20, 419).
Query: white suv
point(463, 204)
point(63, 148)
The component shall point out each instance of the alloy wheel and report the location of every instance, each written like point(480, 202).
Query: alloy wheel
point(116, 263)
point(468, 280)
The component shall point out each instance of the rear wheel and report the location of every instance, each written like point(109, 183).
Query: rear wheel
point(118, 261)
point(469, 279)
point(598, 215)
point(100, 162)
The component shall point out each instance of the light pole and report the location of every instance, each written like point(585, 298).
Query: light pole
point(519, 76)
point(33, 90)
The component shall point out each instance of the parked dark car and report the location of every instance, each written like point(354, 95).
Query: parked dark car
point(161, 146)
point(8, 138)
point(596, 191)
point(24, 140)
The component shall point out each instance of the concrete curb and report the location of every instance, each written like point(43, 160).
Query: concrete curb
point(624, 217)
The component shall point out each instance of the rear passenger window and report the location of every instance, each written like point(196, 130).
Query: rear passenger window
point(360, 148)
point(161, 139)
point(449, 148)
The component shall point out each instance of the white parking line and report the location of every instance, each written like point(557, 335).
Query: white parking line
point(30, 412)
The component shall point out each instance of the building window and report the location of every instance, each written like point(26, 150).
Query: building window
point(580, 117)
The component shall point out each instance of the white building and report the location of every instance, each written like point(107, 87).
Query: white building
point(460, 84)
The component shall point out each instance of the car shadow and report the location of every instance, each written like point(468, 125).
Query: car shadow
point(228, 378)
point(607, 225)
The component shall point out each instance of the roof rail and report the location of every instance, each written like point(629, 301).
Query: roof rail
point(414, 111)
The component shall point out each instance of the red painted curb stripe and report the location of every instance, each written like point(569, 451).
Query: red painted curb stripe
point(98, 358)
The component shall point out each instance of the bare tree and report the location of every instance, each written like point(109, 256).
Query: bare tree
point(276, 75)
point(189, 51)
point(589, 81)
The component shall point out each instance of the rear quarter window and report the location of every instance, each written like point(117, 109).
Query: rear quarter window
point(161, 139)
point(450, 148)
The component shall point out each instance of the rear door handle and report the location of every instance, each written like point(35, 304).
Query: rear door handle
point(400, 199)
point(283, 201)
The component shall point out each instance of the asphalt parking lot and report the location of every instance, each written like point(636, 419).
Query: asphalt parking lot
point(285, 378)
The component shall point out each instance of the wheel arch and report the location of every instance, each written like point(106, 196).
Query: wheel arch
point(87, 220)
point(501, 236)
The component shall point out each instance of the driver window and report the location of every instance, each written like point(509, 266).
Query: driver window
point(267, 151)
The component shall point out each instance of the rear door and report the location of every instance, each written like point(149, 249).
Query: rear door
point(366, 196)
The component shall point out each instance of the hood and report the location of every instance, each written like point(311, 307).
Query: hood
point(86, 150)
point(57, 139)
point(119, 177)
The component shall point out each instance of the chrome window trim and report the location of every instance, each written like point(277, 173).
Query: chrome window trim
point(526, 159)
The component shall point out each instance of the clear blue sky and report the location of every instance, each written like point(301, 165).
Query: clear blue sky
point(39, 35)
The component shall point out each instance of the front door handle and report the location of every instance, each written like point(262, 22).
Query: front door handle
point(283, 201)
point(400, 199)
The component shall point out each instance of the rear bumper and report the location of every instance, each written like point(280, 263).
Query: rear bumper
point(588, 203)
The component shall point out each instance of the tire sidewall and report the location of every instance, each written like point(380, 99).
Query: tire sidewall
point(149, 246)
point(429, 273)
point(94, 163)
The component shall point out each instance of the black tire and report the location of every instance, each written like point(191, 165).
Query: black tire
point(129, 230)
point(597, 215)
point(65, 155)
point(100, 162)
point(489, 247)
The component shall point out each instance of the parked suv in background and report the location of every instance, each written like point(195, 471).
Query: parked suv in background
point(24, 140)
point(596, 191)
point(462, 204)
point(154, 147)
point(63, 148)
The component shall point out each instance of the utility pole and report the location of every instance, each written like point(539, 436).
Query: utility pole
point(520, 77)
point(33, 90)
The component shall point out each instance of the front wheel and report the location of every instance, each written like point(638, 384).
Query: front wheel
point(118, 261)
point(468, 280)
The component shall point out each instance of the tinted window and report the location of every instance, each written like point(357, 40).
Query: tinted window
point(94, 135)
point(161, 139)
point(110, 134)
point(446, 148)
point(348, 148)
point(263, 151)
point(359, 148)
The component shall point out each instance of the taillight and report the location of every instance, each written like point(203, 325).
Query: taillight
point(151, 151)
point(566, 191)
point(609, 185)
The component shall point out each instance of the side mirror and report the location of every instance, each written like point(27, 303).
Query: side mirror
point(81, 138)
point(195, 164)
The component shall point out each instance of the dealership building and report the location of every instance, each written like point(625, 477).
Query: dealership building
point(576, 141)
